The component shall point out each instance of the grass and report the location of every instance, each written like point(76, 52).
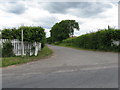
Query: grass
point(78, 48)
point(8, 61)
point(64, 45)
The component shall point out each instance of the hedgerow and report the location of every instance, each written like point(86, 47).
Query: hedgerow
point(30, 34)
point(100, 40)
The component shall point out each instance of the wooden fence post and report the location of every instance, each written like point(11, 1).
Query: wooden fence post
point(22, 43)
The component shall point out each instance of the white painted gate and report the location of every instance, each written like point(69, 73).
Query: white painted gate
point(29, 48)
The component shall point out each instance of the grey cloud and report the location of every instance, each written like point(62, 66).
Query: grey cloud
point(59, 7)
point(82, 9)
point(14, 7)
point(46, 22)
point(17, 9)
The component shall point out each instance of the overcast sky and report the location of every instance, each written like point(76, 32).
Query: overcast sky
point(91, 16)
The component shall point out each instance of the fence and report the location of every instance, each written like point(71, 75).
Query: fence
point(28, 48)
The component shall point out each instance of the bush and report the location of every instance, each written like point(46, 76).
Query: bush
point(0, 50)
point(49, 40)
point(7, 50)
point(43, 42)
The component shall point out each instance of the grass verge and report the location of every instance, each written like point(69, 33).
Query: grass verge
point(78, 48)
point(8, 61)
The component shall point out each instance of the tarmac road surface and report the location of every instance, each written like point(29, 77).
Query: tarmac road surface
point(66, 68)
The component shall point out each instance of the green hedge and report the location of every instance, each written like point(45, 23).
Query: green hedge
point(100, 40)
point(30, 34)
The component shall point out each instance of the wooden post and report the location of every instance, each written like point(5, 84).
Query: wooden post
point(22, 43)
point(119, 15)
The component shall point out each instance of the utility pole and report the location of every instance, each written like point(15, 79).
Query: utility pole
point(22, 43)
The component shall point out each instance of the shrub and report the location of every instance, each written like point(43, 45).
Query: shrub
point(49, 40)
point(7, 50)
point(0, 50)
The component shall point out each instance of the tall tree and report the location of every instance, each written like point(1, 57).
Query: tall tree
point(63, 29)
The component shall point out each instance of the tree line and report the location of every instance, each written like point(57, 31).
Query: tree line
point(62, 30)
